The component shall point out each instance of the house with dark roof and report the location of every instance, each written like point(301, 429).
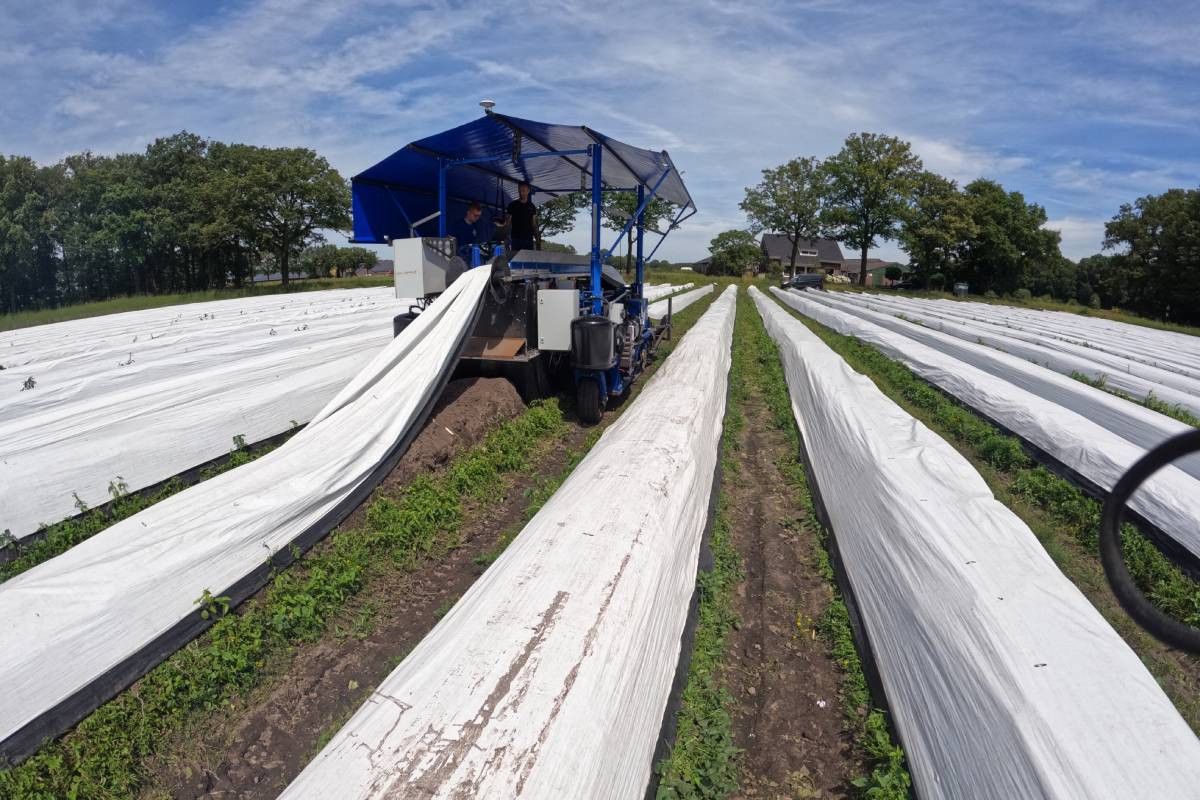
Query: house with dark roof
point(812, 255)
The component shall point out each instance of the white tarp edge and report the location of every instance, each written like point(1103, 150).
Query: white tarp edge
point(1169, 499)
point(1131, 377)
point(64, 623)
point(1007, 335)
point(651, 293)
point(1168, 350)
point(550, 677)
point(1131, 421)
point(658, 310)
point(148, 394)
point(1004, 682)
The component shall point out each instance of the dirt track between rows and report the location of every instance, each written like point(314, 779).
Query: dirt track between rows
point(787, 713)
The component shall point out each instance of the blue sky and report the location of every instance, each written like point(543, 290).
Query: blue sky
point(1080, 105)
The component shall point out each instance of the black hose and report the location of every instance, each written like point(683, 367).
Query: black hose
point(1162, 627)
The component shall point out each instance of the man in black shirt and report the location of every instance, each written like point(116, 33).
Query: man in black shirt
point(522, 216)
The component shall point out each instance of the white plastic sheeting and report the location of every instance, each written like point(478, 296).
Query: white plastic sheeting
point(1126, 375)
point(1002, 679)
point(101, 604)
point(550, 677)
point(1133, 422)
point(200, 374)
point(1169, 350)
point(658, 310)
point(1170, 499)
point(654, 292)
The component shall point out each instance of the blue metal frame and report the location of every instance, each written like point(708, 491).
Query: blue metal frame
point(442, 167)
point(596, 294)
point(641, 232)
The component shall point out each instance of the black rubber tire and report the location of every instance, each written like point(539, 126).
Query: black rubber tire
point(588, 403)
point(1166, 629)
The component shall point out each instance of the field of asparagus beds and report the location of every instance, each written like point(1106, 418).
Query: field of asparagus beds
point(984, 636)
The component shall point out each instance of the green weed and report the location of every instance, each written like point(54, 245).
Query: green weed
point(60, 537)
point(1150, 401)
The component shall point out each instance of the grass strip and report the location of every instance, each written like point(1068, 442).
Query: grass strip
point(62, 536)
point(888, 777)
point(101, 758)
point(537, 496)
point(1150, 401)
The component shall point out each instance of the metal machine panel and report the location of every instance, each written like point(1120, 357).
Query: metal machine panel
point(555, 310)
point(420, 266)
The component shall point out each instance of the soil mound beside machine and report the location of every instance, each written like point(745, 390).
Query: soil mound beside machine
point(549, 319)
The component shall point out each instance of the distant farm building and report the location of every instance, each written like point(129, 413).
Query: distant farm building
point(812, 255)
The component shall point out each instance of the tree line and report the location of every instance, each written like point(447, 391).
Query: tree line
point(187, 214)
point(191, 214)
point(875, 189)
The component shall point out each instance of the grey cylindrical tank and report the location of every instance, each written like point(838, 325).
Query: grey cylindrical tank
point(592, 342)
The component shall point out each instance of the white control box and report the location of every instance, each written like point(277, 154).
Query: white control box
point(423, 266)
point(555, 310)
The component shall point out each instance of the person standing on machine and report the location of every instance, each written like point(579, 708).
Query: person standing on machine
point(469, 231)
point(522, 219)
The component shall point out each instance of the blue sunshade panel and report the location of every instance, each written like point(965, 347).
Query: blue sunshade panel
point(403, 188)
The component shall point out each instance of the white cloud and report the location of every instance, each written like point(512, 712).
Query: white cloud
point(965, 163)
point(1042, 98)
point(1081, 237)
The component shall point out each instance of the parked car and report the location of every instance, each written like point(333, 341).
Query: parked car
point(810, 280)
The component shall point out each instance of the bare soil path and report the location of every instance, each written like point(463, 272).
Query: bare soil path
point(787, 716)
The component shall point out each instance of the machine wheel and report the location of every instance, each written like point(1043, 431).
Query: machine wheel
point(588, 401)
point(401, 321)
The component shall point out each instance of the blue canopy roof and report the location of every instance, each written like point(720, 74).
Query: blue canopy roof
point(403, 188)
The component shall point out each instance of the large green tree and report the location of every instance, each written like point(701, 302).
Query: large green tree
point(1009, 248)
point(788, 200)
point(187, 213)
point(294, 194)
point(733, 253)
point(936, 226)
point(1157, 239)
point(870, 184)
point(557, 216)
point(29, 222)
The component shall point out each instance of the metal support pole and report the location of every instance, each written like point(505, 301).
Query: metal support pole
point(442, 198)
point(597, 199)
point(641, 229)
